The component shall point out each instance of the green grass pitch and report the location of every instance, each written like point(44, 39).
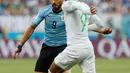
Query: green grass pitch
point(120, 65)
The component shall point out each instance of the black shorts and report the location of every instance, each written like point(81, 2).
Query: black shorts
point(47, 56)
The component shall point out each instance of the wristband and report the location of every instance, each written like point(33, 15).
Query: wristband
point(19, 48)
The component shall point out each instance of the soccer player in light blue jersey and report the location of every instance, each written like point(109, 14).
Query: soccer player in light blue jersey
point(54, 38)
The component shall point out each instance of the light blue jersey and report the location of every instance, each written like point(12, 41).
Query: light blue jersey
point(55, 33)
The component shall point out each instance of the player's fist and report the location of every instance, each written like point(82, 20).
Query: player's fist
point(107, 31)
point(17, 51)
point(93, 10)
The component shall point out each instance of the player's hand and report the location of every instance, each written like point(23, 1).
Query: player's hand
point(93, 10)
point(17, 51)
point(107, 31)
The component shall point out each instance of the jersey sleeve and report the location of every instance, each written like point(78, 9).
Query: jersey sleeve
point(40, 16)
point(98, 23)
point(92, 27)
point(70, 6)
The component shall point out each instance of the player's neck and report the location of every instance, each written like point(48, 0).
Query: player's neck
point(57, 11)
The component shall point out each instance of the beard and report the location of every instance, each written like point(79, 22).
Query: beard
point(56, 8)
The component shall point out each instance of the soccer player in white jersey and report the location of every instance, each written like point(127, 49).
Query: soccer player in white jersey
point(79, 49)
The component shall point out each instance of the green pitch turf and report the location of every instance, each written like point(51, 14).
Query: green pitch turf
point(121, 65)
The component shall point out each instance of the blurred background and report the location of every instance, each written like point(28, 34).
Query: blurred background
point(112, 51)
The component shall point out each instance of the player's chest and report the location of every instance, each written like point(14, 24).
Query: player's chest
point(54, 21)
point(54, 17)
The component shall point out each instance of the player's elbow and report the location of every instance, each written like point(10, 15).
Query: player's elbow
point(33, 26)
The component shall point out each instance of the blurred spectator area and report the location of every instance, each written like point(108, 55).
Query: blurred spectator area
point(17, 15)
point(21, 7)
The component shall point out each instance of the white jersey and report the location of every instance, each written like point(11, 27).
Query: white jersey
point(76, 17)
point(79, 49)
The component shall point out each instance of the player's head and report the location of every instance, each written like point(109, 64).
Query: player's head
point(56, 4)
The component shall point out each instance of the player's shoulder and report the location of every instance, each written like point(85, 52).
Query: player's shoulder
point(46, 8)
point(66, 5)
point(67, 2)
point(70, 2)
point(44, 11)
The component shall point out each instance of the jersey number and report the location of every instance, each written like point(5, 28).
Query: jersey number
point(84, 20)
point(54, 24)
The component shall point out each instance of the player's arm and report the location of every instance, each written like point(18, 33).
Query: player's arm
point(100, 28)
point(25, 37)
point(28, 33)
point(30, 30)
point(97, 25)
point(104, 30)
point(94, 21)
point(94, 18)
point(70, 6)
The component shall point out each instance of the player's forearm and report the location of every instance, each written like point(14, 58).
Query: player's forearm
point(27, 34)
point(98, 31)
point(93, 27)
point(97, 21)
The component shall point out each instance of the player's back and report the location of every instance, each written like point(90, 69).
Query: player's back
point(76, 27)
